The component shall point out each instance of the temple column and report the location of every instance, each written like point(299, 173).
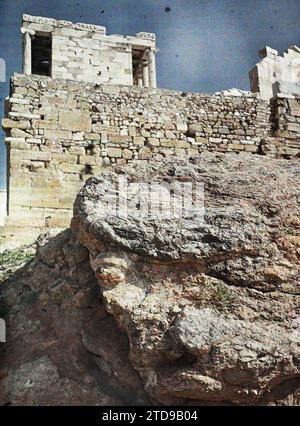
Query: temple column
point(27, 49)
point(152, 68)
point(140, 81)
point(145, 75)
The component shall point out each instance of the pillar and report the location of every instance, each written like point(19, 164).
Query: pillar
point(145, 75)
point(140, 81)
point(27, 49)
point(152, 68)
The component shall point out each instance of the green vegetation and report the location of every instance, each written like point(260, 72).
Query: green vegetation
point(12, 260)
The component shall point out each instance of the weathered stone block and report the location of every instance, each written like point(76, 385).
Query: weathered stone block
point(127, 154)
point(31, 155)
point(200, 140)
point(145, 153)
point(114, 152)
point(57, 134)
point(293, 127)
point(44, 124)
point(90, 160)
point(153, 142)
point(71, 168)
point(75, 120)
point(7, 123)
point(138, 140)
point(118, 138)
point(78, 150)
point(64, 158)
point(182, 127)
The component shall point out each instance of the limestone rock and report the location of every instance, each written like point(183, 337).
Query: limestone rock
point(211, 309)
point(62, 347)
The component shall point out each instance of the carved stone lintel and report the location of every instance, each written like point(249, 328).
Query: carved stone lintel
point(27, 30)
point(39, 20)
point(90, 27)
point(146, 36)
point(64, 24)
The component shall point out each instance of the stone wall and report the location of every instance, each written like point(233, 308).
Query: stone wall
point(286, 127)
point(2, 207)
point(59, 133)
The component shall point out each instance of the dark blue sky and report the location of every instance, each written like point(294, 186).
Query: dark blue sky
point(205, 45)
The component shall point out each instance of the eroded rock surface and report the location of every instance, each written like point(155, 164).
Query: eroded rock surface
point(211, 309)
point(62, 347)
point(172, 311)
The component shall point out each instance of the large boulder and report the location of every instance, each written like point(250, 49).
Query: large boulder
point(210, 306)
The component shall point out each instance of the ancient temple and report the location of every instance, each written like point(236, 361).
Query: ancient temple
point(84, 52)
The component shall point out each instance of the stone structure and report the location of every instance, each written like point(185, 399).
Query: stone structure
point(64, 122)
point(276, 74)
point(3, 202)
point(61, 132)
point(84, 52)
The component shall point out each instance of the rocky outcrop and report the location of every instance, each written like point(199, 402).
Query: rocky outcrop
point(189, 311)
point(211, 308)
point(62, 347)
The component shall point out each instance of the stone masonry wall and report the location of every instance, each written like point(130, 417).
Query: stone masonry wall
point(286, 127)
point(59, 132)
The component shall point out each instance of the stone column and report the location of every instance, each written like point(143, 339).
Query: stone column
point(140, 81)
point(145, 75)
point(27, 49)
point(152, 68)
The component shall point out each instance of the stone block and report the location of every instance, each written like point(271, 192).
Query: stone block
point(78, 150)
point(75, 120)
point(18, 133)
point(145, 153)
point(127, 154)
point(153, 142)
point(90, 160)
point(64, 158)
point(195, 128)
point(99, 128)
point(114, 152)
point(170, 134)
point(31, 155)
point(24, 115)
point(118, 138)
point(182, 127)
point(215, 140)
point(71, 168)
point(7, 123)
point(44, 124)
point(57, 134)
point(201, 140)
point(293, 127)
point(138, 140)
point(237, 147)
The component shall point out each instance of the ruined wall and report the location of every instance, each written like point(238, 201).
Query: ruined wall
point(2, 207)
point(286, 127)
point(84, 52)
point(273, 69)
point(60, 132)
